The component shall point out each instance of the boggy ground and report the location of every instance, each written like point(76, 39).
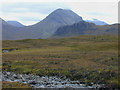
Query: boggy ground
point(84, 58)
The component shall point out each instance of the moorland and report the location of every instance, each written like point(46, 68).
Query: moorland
point(85, 58)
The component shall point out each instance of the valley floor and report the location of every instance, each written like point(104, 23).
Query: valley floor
point(84, 58)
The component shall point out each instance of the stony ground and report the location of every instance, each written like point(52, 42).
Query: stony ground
point(44, 81)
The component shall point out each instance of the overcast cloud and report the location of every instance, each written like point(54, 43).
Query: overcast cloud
point(32, 12)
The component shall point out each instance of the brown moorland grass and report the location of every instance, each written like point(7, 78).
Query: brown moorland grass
point(15, 85)
point(84, 58)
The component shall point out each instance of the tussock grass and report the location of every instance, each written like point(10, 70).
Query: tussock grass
point(14, 85)
point(84, 58)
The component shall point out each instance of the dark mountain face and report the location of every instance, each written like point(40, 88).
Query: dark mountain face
point(97, 22)
point(47, 26)
point(85, 28)
point(15, 23)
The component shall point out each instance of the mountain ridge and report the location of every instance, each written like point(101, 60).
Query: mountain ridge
point(86, 28)
point(47, 26)
point(97, 22)
point(57, 21)
point(15, 23)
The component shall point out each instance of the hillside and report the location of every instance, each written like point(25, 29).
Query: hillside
point(59, 23)
point(84, 58)
point(8, 31)
point(85, 28)
point(44, 28)
point(15, 23)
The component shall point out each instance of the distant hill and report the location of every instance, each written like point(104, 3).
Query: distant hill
point(85, 28)
point(7, 30)
point(59, 23)
point(46, 27)
point(97, 22)
point(15, 23)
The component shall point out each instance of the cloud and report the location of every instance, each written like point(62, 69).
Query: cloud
point(24, 17)
point(44, 8)
point(105, 11)
point(11, 1)
point(29, 11)
point(97, 13)
point(32, 12)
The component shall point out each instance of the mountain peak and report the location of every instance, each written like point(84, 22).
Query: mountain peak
point(60, 9)
point(64, 16)
point(15, 23)
point(45, 28)
point(63, 10)
point(96, 21)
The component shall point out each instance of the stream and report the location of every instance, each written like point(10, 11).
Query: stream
point(45, 81)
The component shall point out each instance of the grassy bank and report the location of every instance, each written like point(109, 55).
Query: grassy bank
point(14, 85)
point(85, 58)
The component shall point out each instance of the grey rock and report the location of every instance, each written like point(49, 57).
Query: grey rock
point(45, 81)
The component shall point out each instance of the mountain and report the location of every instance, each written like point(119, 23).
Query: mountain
point(60, 23)
point(15, 23)
point(47, 26)
point(85, 28)
point(7, 30)
point(97, 22)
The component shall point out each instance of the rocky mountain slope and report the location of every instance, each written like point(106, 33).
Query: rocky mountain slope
point(44, 28)
point(85, 28)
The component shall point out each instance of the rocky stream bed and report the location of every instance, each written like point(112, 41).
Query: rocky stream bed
point(45, 81)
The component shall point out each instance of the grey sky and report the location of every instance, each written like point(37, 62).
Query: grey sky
point(32, 12)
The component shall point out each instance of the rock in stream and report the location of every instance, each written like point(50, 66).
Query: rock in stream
point(44, 81)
